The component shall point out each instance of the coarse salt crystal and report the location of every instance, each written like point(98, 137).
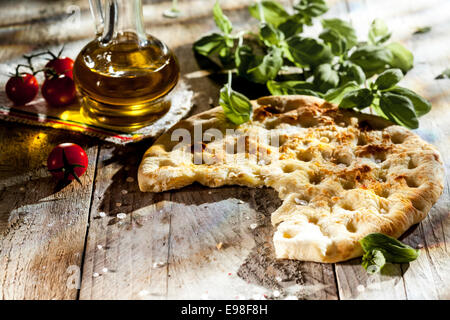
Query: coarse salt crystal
point(105, 270)
point(278, 279)
point(121, 215)
point(276, 293)
point(124, 191)
point(102, 214)
point(158, 265)
point(95, 275)
point(301, 202)
point(99, 246)
point(143, 293)
point(240, 202)
point(253, 226)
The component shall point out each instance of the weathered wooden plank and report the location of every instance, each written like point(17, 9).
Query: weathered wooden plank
point(423, 278)
point(132, 248)
point(42, 225)
point(221, 248)
point(427, 278)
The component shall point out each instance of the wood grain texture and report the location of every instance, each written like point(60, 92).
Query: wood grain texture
point(42, 224)
point(134, 248)
point(196, 243)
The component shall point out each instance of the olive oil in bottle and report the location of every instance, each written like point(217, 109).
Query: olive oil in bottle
point(124, 75)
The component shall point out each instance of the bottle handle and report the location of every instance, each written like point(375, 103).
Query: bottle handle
point(98, 15)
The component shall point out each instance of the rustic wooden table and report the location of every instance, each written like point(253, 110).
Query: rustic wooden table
point(55, 244)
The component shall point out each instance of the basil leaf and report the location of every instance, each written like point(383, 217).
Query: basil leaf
point(349, 71)
point(269, 35)
point(268, 68)
point(259, 69)
point(209, 44)
point(221, 20)
point(399, 109)
point(337, 94)
point(337, 43)
point(359, 99)
point(236, 106)
point(343, 28)
point(393, 250)
point(378, 111)
point(421, 105)
point(373, 261)
point(388, 79)
point(308, 51)
point(325, 77)
point(422, 30)
point(226, 58)
point(292, 25)
point(444, 75)
point(378, 32)
point(274, 13)
point(372, 59)
point(311, 8)
point(292, 88)
point(401, 57)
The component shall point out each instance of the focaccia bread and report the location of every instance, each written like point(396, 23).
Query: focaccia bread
point(341, 174)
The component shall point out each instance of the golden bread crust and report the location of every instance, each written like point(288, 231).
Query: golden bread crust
point(341, 174)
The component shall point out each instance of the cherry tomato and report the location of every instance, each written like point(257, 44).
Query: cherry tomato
point(67, 161)
point(59, 91)
point(60, 66)
point(22, 88)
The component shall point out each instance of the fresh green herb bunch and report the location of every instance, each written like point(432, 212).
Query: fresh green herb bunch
point(334, 66)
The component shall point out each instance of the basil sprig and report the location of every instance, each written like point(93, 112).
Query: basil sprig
point(236, 107)
point(380, 248)
point(395, 103)
point(335, 65)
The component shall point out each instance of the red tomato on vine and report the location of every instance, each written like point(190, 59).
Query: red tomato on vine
point(67, 161)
